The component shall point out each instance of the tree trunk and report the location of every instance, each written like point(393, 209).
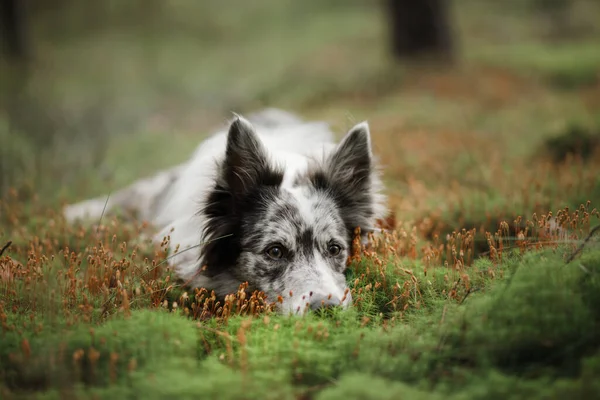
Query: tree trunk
point(13, 29)
point(420, 28)
point(14, 47)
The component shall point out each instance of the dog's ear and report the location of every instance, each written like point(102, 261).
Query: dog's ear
point(351, 162)
point(246, 162)
point(348, 177)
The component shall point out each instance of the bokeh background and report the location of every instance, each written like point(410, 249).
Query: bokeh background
point(97, 94)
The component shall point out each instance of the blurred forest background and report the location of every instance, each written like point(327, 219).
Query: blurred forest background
point(95, 94)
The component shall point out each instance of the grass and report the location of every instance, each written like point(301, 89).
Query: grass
point(104, 322)
point(470, 295)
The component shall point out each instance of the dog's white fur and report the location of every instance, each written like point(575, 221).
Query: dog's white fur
point(171, 200)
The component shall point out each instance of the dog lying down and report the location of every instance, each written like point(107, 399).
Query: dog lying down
point(274, 202)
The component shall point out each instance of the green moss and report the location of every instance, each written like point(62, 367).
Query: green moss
point(364, 386)
point(533, 330)
point(145, 336)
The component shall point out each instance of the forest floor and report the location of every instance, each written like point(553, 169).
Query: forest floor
point(487, 286)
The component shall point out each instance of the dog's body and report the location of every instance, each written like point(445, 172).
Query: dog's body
point(274, 201)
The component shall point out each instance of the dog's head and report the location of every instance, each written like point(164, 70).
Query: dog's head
point(289, 240)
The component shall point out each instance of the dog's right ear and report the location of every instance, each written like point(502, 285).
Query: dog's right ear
point(246, 163)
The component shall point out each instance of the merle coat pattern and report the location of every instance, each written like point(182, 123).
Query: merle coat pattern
point(273, 200)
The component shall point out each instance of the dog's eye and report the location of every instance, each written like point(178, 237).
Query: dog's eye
point(275, 252)
point(334, 249)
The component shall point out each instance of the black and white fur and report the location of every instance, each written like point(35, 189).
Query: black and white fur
point(275, 202)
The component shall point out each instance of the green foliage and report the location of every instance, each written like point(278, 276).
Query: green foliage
point(367, 387)
point(577, 140)
point(565, 65)
point(533, 332)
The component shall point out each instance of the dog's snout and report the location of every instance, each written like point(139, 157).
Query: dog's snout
point(319, 301)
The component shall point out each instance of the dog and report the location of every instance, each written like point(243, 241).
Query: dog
point(272, 200)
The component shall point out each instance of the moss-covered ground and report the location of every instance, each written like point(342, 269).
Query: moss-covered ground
point(486, 286)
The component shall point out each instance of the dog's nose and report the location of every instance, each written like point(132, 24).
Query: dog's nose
point(319, 301)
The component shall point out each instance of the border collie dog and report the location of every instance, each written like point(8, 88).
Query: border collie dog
point(273, 201)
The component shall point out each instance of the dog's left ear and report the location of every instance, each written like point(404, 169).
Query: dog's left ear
point(351, 162)
point(348, 173)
